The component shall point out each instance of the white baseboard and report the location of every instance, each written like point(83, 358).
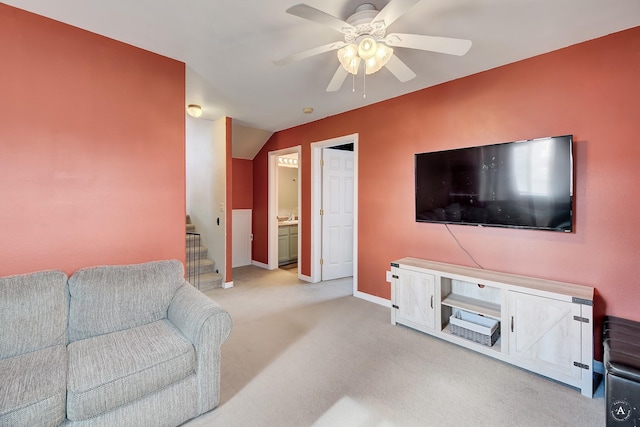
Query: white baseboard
point(227, 285)
point(374, 299)
point(305, 278)
point(259, 264)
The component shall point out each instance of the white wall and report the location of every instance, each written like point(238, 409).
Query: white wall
point(206, 184)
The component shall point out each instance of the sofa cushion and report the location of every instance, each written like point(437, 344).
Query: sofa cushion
point(33, 388)
point(171, 406)
point(112, 370)
point(107, 299)
point(33, 312)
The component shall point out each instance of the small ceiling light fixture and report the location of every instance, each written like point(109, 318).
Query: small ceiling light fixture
point(307, 110)
point(194, 110)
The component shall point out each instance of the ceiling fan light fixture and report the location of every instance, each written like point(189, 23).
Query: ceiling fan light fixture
point(379, 60)
point(384, 52)
point(366, 40)
point(348, 57)
point(367, 48)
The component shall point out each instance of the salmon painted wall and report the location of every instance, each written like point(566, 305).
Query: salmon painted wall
point(589, 90)
point(92, 140)
point(242, 184)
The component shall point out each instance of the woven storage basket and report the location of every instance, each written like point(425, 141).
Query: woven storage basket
point(476, 328)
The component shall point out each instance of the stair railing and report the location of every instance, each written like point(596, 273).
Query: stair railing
point(193, 259)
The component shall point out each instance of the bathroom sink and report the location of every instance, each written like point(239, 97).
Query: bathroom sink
point(288, 222)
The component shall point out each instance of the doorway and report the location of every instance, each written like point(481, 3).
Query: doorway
point(284, 209)
point(319, 236)
point(288, 211)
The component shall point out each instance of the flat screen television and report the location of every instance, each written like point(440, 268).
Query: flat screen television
point(520, 184)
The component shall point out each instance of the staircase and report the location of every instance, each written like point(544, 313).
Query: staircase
point(201, 271)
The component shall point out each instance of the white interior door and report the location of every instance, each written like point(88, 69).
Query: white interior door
point(241, 237)
point(337, 213)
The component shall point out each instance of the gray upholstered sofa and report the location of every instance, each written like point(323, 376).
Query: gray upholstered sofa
point(110, 346)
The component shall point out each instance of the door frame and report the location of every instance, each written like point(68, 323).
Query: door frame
point(316, 203)
point(272, 220)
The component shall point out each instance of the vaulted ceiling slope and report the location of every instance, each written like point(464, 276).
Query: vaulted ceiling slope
point(230, 46)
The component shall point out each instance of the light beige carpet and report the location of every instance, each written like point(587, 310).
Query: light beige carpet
point(304, 354)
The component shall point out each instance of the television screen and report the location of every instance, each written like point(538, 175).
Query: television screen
point(522, 184)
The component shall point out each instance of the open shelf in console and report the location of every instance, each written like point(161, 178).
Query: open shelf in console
point(474, 297)
point(473, 305)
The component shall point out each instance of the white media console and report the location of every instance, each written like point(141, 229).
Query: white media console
point(545, 326)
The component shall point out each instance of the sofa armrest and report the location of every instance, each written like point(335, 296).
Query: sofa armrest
point(207, 325)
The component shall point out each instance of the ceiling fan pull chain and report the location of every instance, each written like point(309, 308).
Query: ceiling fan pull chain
point(364, 84)
point(353, 83)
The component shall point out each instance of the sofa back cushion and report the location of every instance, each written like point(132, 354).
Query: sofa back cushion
point(33, 312)
point(107, 299)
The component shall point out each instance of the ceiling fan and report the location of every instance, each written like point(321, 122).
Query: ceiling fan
point(366, 40)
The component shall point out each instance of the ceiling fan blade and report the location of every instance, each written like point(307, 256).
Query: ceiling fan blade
point(338, 78)
point(310, 52)
point(434, 44)
point(399, 69)
point(394, 10)
point(312, 14)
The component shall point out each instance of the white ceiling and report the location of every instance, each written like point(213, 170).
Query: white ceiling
point(229, 46)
